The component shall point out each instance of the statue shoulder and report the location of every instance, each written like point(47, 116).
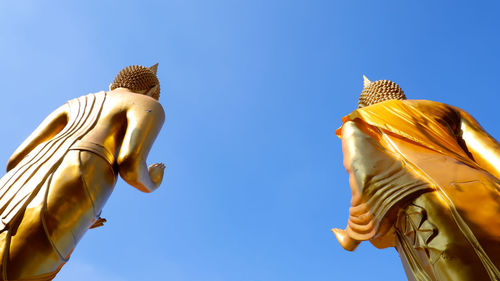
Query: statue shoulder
point(148, 104)
point(426, 103)
point(97, 94)
point(137, 103)
point(433, 107)
point(438, 111)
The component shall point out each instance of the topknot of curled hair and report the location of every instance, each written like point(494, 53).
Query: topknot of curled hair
point(137, 78)
point(379, 91)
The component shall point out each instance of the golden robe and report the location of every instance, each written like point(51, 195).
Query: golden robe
point(29, 227)
point(424, 178)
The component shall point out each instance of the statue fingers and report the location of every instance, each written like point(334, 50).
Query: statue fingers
point(345, 240)
point(158, 165)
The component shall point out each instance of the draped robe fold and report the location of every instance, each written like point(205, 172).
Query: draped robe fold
point(416, 152)
point(27, 184)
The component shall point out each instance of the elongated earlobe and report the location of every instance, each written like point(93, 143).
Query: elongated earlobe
point(153, 92)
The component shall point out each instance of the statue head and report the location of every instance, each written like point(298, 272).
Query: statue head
point(379, 91)
point(138, 79)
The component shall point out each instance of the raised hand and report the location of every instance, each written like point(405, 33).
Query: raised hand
point(156, 173)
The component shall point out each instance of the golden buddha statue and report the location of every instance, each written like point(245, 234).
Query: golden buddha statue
point(424, 178)
point(58, 180)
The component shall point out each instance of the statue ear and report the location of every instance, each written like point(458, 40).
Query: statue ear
point(152, 91)
point(110, 86)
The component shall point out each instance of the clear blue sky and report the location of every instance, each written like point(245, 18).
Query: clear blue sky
point(253, 91)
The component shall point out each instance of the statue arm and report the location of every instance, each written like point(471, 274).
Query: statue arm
point(144, 122)
point(484, 148)
point(49, 127)
point(381, 182)
point(350, 143)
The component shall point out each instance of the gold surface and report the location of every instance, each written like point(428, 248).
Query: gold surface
point(424, 178)
point(60, 177)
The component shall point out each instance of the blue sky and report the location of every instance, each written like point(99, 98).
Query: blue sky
point(253, 91)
